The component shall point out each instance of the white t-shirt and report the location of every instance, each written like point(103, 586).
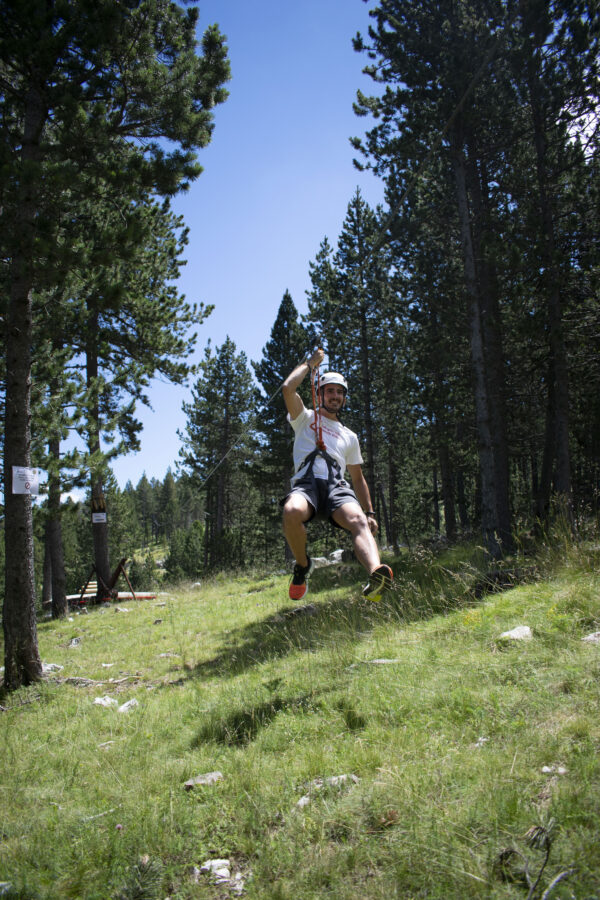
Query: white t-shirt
point(341, 443)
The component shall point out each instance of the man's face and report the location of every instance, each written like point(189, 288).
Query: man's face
point(333, 397)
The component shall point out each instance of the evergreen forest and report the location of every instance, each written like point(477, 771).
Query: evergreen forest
point(464, 311)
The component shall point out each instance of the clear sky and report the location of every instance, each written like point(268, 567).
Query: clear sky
point(278, 177)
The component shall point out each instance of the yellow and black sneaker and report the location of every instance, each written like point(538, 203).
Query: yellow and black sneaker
point(380, 580)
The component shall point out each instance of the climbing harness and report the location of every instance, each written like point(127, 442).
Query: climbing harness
point(334, 472)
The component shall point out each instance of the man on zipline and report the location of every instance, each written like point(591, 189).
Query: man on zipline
point(323, 449)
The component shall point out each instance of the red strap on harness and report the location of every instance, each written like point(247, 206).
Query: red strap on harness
point(316, 426)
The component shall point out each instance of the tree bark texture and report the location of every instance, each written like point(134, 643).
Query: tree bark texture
point(494, 355)
point(99, 529)
point(22, 663)
point(54, 538)
point(489, 516)
point(557, 424)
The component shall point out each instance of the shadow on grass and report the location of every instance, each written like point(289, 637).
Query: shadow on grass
point(242, 726)
point(313, 625)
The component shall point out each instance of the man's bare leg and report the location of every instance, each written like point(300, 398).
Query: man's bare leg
point(351, 517)
point(296, 512)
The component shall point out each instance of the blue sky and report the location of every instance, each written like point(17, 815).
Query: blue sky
point(278, 177)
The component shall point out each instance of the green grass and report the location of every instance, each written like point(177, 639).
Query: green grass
point(446, 727)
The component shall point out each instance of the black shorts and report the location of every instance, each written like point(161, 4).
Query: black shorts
point(324, 496)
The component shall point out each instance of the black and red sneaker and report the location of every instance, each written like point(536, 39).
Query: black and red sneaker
point(380, 580)
point(299, 582)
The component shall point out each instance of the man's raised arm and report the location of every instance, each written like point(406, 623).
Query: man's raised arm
point(293, 401)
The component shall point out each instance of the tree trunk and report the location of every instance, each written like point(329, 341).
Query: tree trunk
point(368, 418)
point(99, 513)
point(463, 513)
point(558, 380)
point(447, 491)
point(435, 497)
point(47, 574)
point(22, 663)
point(392, 498)
point(54, 535)
point(489, 516)
point(494, 357)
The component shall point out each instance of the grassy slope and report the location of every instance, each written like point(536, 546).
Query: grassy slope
point(92, 803)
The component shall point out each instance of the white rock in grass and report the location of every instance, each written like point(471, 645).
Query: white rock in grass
point(520, 633)
point(207, 778)
point(237, 883)
point(593, 638)
point(121, 609)
point(127, 707)
point(320, 561)
point(554, 770)
point(105, 701)
point(481, 741)
point(219, 868)
point(339, 780)
point(50, 667)
point(332, 781)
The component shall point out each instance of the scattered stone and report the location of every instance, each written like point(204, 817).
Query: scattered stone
point(157, 621)
point(218, 868)
point(208, 778)
point(105, 701)
point(309, 609)
point(121, 609)
point(593, 638)
point(554, 770)
point(127, 707)
point(320, 561)
point(50, 667)
point(75, 642)
point(168, 655)
point(520, 633)
point(319, 783)
point(160, 604)
point(107, 665)
point(481, 741)
point(105, 745)
point(84, 611)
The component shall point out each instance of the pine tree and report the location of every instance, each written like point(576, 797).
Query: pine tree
point(216, 447)
point(78, 79)
point(289, 343)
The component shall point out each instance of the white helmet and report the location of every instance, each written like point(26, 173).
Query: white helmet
point(333, 378)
